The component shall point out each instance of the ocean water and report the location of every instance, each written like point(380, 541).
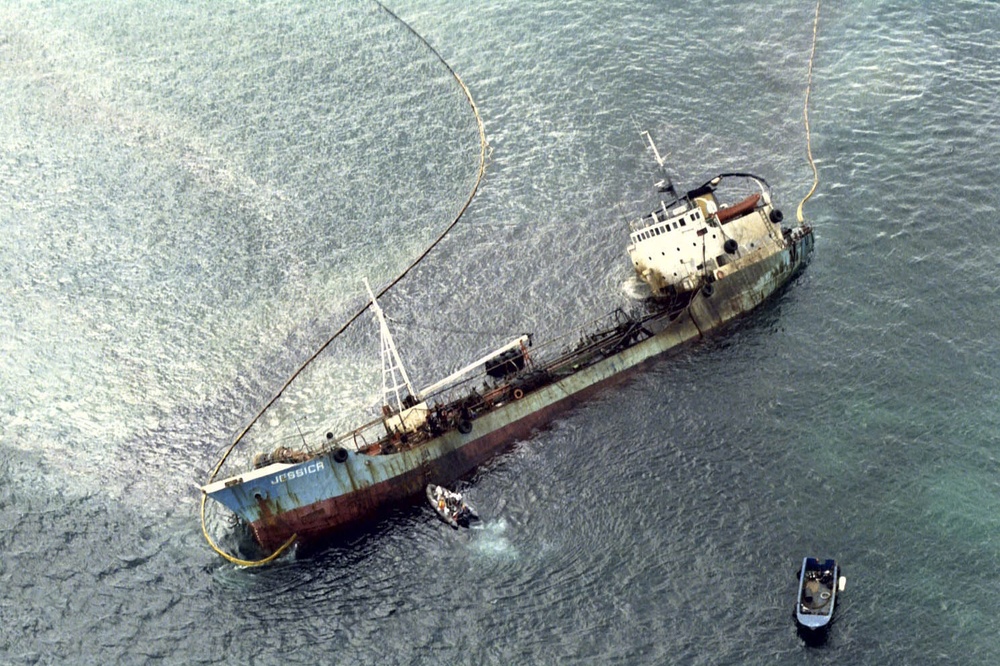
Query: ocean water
point(191, 194)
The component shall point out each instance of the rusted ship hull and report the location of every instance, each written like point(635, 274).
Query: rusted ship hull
point(324, 494)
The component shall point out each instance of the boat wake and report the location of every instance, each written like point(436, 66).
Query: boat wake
point(490, 541)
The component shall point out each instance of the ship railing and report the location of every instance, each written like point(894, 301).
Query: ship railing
point(759, 182)
point(479, 393)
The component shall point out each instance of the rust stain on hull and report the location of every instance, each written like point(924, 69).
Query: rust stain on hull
point(339, 493)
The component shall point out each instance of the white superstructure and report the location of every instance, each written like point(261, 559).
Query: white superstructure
point(693, 240)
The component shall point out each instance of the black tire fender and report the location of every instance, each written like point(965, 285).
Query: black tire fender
point(730, 246)
point(340, 454)
point(465, 426)
point(776, 216)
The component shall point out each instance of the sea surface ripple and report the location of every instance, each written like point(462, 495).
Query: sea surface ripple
point(190, 195)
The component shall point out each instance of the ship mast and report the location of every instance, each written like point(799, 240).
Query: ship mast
point(665, 185)
point(394, 375)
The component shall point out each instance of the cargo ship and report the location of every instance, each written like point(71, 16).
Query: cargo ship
point(706, 259)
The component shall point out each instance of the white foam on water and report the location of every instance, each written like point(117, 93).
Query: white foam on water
point(490, 541)
point(635, 289)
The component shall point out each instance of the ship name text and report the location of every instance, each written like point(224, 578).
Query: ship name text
point(296, 473)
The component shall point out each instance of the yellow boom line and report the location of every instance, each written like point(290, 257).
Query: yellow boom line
point(805, 113)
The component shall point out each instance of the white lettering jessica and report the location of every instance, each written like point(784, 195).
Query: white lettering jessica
point(296, 473)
